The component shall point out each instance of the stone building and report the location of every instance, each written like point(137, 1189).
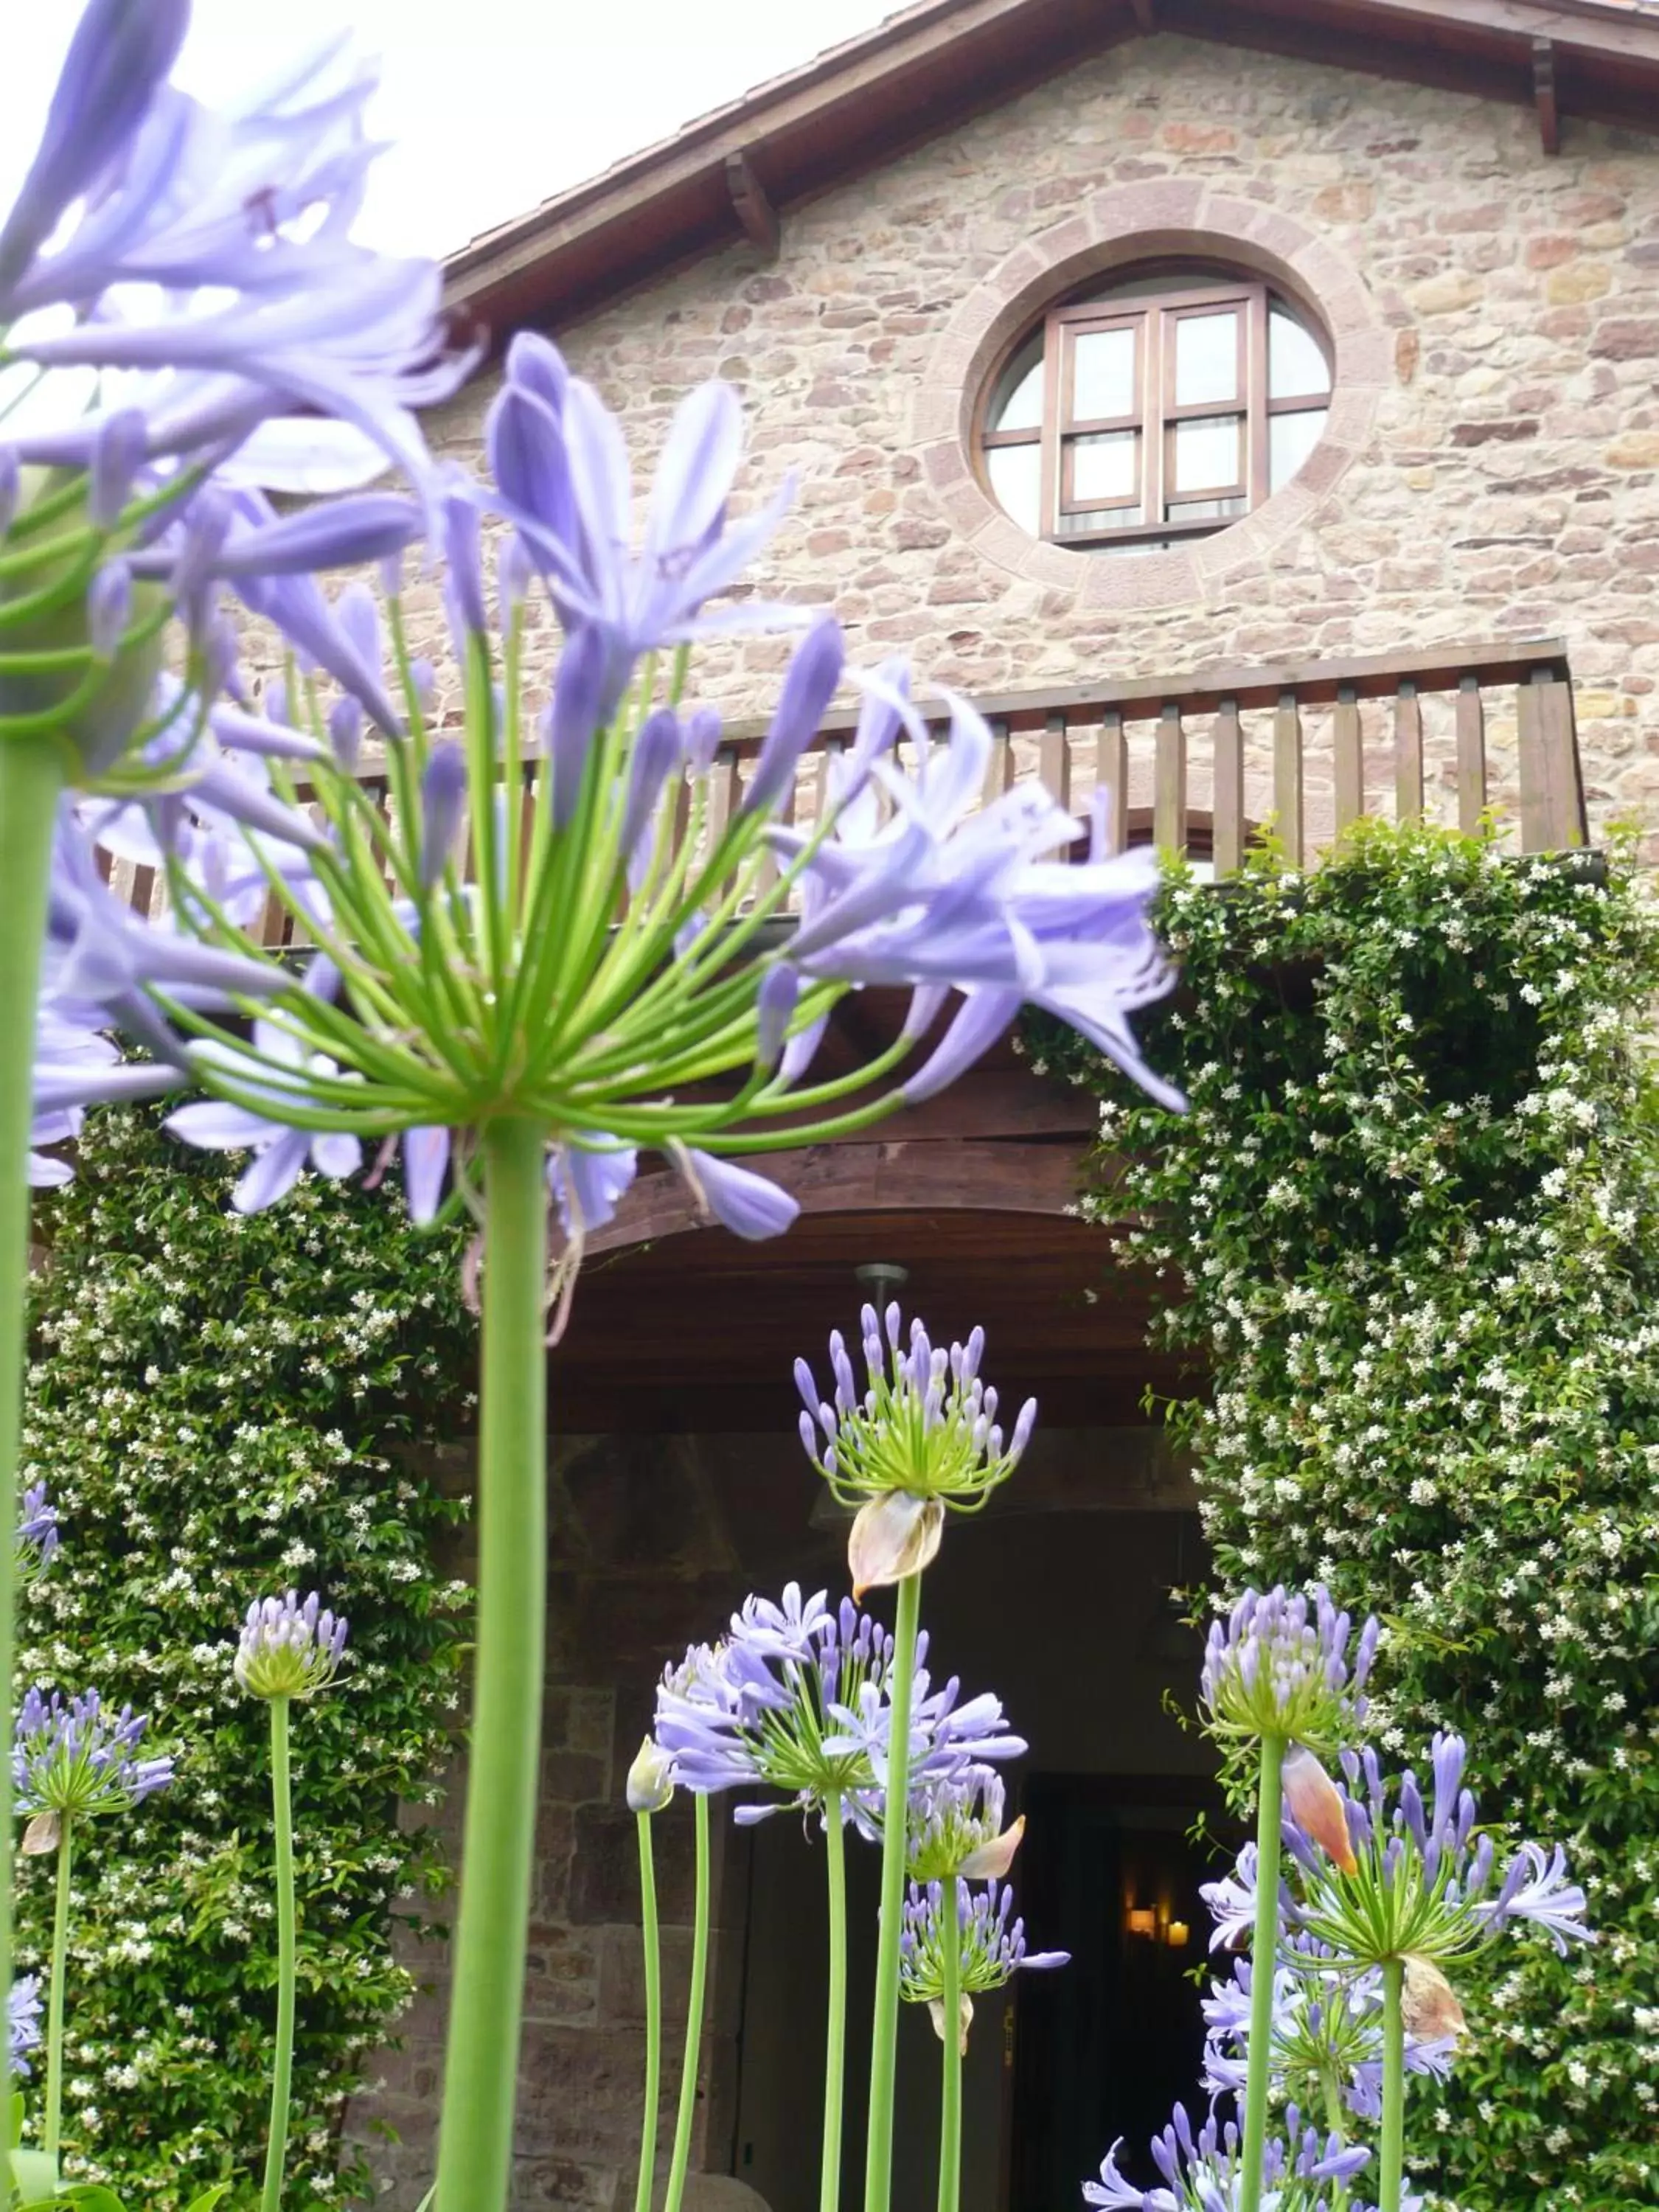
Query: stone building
point(1252, 403)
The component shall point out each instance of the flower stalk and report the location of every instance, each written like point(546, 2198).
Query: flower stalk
point(60, 1919)
point(680, 2163)
point(31, 778)
point(951, 2038)
point(1392, 2146)
point(282, 2071)
point(834, 2045)
point(651, 1944)
point(1264, 1961)
point(481, 2068)
point(884, 2036)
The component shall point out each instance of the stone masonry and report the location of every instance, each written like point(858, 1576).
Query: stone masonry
point(1497, 394)
point(1496, 476)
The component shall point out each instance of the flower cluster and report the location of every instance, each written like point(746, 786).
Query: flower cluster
point(794, 1699)
point(1199, 2167)
point(922, 1434)
point(1327, 2033)
point(955, 1828)
point(288, 1649)
point(76, 1759)
point(989, 1938)
point(23, 2021)
point(1422, 1885)
point(1279, 1667)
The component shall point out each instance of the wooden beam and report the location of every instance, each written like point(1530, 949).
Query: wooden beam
point(753, 210)
point(1543, 92)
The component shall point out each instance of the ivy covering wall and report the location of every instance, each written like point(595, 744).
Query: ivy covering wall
point(217, 1405)
point(1411, 1228)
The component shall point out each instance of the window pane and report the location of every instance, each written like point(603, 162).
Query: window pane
point(1104, 464)
point(1204, 510)
point(1208, 452)
point(1206, 359)
point(1022, 410)
point(1016, 473)
point(1291, 439)
point(1103, 376)
point(1296, 366)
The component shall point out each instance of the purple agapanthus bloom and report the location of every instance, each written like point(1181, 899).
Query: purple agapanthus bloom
point(1201, 2169)
point(37, 1530)
point(793, 1700)
point(1327, 2023)
point(289, 1647)
point(989, 1937)
point(77, 1759)
point(1423, 1886)
point(1279, 1666)
point(208, 252)
point(23, 2021)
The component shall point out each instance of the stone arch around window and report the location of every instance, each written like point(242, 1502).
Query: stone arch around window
point(1161, 221)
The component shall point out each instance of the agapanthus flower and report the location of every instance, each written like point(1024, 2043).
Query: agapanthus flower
point(234, 325)
point(650, 1779)
point(794, 1699)
point(37, 1530)
point(1423, 1885)
point(956, 1828)
point(1279, 1667)
point(289, 1648)
point(624, 962)
point(74, 1758)
point(23, 2021)
point(1201, 2170)
point(990, 1941)
point(922, 1435)
point(1327, 2031)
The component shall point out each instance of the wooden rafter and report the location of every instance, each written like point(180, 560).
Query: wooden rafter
point(1543, 92)
point(754, 211)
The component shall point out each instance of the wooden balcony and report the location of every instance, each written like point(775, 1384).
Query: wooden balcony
point(1201, 764)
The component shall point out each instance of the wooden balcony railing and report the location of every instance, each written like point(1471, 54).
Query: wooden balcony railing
point(1200, 764)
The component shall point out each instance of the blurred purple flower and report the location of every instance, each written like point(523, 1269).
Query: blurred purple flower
point(76, 1758)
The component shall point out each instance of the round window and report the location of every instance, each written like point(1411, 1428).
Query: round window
point(1160, 407)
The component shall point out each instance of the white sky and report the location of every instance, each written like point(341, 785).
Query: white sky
point(493, 104)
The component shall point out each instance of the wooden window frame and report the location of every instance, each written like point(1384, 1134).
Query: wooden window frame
point(1155, 412)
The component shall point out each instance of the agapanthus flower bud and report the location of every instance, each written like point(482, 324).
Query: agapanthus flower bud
point(75, 1758)
point(774, 1004)
point(955, 1828)
point(1313, 1801)
point(345, 733)
point(11, 486)
point(892, 1537)
point(443, 801)
point(118, 453)
point(289, 1648)
point(699, 734)
point(37, 1530)
point(1202, 2168)
point(23, 2021)
point(809, 684)
point(1279, 1667)
point(109, 609)
point(463, 555)
point(650, 1778)
point(514, 573)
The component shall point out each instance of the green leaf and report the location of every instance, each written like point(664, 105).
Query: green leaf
point(34, 2176)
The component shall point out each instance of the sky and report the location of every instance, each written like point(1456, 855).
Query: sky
point(493, 105)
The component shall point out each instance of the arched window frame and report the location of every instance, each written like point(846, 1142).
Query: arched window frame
point(1153, 417)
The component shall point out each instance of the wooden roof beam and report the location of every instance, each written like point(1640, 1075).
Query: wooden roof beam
point(1543, 92)
point(753, 210)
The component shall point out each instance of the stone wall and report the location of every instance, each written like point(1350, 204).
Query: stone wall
point(1504, 481)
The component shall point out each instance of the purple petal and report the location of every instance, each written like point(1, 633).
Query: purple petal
point(744, 1202)
point(809, 684)
point(426, 1155)
point(274, 1172)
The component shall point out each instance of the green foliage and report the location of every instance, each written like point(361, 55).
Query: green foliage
point(216, 1407)
point(1411, 1228)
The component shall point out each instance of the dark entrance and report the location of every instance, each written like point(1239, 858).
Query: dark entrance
point(1064, 1613)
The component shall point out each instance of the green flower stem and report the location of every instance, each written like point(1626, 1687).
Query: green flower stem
point(55, 1996)
point(1336, 2122)
point(1264, 1961)
point(1391, 2151)
point(950, 2103)
point(834, 2048)
point(475, 2142)
point(682, 2158)
point(652, 1951)
point(281, 2070)
point(31, 777)
point(883, 2036)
